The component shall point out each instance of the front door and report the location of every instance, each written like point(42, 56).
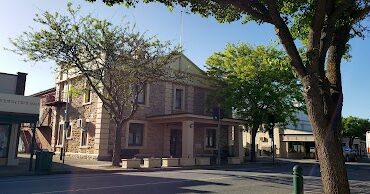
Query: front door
point(175, 143)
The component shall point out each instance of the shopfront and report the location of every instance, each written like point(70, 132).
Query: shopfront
point(14, 110)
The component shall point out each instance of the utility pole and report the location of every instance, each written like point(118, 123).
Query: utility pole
point(218, 135)
point(66, 120)
point(271, 124)
point(273, 146)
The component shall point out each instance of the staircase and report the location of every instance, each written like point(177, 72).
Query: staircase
point(43, 132)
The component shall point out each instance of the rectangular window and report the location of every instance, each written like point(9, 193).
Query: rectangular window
point(84, 141)
point(60, 134)
point(87, 94)
point(142, 95)
point(61, 92)
point(136, 133)
point(210, 138)
point(69, 132)
point(178, 98)
point(4, 140)
point(295, 147)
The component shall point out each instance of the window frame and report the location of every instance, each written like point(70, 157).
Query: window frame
point(87, 92)
point(145, 96)
point(175, 107)
point(207, 139)
point(135, 140)
point(60, 134)
point(86, 145)
point(69, 136)
point(144, 135)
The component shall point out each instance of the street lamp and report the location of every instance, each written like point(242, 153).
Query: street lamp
point(271, 124)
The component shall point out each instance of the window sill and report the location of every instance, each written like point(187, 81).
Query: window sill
point(86, 103)
point(134, 147)
point(210, 148)
point(145, 105)
point(59, 146)
point(84, 147)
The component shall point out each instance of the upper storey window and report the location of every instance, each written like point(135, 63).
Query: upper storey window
point(179, 98)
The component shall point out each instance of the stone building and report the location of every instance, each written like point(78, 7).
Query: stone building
point(172, 121)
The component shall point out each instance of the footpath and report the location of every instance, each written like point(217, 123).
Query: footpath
point(80, 166)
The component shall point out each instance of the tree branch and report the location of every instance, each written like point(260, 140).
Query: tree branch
point(286, 39)
point(252, 7)
point(314, 39)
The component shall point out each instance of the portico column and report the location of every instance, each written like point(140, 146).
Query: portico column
point(238, 142)
point(188, 139)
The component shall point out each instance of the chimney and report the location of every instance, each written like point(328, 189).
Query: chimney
point(21, 83)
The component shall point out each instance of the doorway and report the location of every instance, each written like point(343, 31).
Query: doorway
point(175, 143)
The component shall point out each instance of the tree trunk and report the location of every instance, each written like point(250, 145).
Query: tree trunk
point(325, 119)
point(253, 143)
point(116, 158)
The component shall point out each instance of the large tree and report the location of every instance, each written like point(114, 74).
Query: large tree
point(324, 28)
point(116, 61)
point(353, 127)
point(256, 83)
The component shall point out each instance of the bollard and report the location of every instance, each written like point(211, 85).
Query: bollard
point(297, 180)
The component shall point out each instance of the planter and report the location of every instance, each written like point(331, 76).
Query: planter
point(187, 161)
point(131, 163)
point(168, 162)
point(233, 160)
point(152, 162)
point(202, 161)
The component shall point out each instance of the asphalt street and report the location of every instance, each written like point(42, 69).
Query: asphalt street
point(252, 178)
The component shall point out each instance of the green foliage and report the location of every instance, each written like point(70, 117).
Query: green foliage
point(116, 61)
point(355, 127)
point(256, 82)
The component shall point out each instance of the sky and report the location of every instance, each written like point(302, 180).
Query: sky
point(200, 37)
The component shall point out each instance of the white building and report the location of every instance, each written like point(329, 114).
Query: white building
point(15, 108)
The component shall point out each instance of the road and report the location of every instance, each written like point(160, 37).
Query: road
point(252, 178)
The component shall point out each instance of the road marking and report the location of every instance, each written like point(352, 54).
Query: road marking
point(133, 185)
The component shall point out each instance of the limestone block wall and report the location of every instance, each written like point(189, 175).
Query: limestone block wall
point(77, 109)
point(200, 140)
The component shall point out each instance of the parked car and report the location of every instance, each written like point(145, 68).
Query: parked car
point(349, 154)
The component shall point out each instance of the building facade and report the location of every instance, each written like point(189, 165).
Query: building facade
point(43, 131)
point(172, 121)
point(291, 141)
point(15, 108)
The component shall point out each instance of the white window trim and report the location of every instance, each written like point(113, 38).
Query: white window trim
point(183, 98)
point(57, 137)
point(83, 100)
point(146, 103)
point(70, 137)
point(205, 138)
point(87, 140)
point(144, 134)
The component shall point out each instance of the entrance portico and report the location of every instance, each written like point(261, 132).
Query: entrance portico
point(199, 136)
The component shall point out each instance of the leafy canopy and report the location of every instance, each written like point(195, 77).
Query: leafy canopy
point(116, 61)
point(355, 127)
point(256, 82)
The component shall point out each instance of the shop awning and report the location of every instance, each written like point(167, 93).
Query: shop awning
point(19, 109)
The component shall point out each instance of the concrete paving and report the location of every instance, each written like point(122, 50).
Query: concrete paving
point(256, 178)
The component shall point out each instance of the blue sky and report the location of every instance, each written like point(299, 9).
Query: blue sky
point(201, 37)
